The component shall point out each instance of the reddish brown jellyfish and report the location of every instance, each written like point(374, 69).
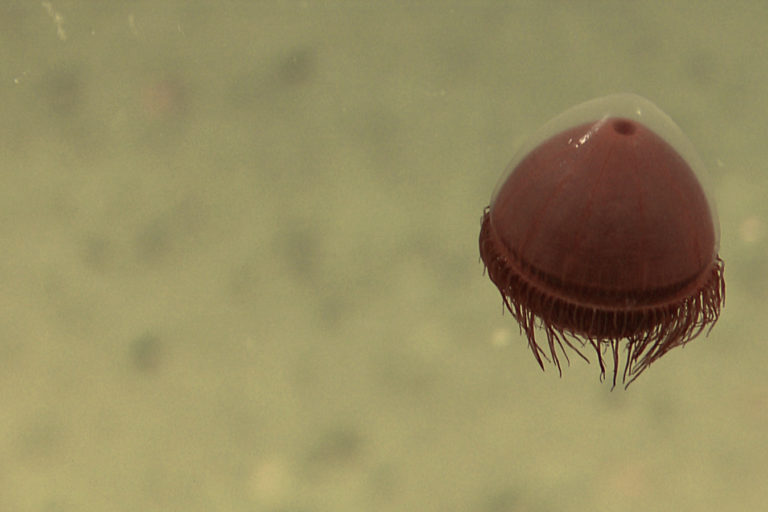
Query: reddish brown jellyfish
point(601, 235)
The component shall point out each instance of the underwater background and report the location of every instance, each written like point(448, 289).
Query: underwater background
point(240, 271)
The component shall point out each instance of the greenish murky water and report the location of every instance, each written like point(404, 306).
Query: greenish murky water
point(240, 267)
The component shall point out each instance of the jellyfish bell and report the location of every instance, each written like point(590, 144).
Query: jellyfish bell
point(601, 234)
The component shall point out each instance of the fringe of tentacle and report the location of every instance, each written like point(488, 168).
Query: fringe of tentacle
point(649, 332)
